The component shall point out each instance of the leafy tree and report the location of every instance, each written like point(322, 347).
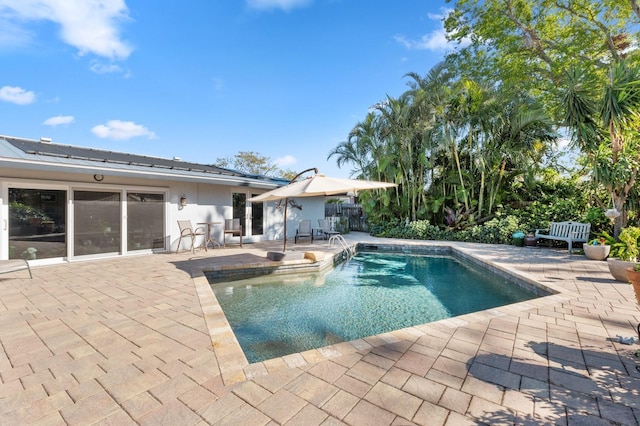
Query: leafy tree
point(531, 44)
point(605, 126)
point(578, 57)
point(252, 162)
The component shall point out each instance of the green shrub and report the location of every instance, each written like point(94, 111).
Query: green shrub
point(495, 231)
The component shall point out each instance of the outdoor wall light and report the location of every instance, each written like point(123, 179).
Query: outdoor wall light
point(183, 201)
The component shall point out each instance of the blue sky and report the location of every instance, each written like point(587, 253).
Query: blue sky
point(204, 79)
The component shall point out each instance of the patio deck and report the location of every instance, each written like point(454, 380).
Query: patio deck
point(141, 340)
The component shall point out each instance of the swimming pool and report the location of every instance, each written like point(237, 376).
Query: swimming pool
point(370, 294)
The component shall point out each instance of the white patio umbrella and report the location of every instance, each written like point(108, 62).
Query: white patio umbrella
point(315, 186)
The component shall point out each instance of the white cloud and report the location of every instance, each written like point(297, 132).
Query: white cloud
point(17, 95)
point(12, 35)
point(100, 68)
point(287, 160)
point(121, 130)
point(436, 40)
point(58, 120)
point(285, 5)
point(92, 26)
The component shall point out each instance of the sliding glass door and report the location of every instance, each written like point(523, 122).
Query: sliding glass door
point(37, 219)
point(97, 222)
point(145, 221)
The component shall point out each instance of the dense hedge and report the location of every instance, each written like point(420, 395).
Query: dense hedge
point(495, 231)
point(554, 201)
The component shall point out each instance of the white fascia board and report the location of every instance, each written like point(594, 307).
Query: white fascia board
point(147, 172)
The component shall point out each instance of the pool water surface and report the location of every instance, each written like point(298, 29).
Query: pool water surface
point(372, 293)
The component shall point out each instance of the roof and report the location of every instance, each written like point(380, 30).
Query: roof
point(45, 155)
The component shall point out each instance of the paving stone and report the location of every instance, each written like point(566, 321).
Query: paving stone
point(10, 388)
point(41, 409)
point(15, 373)
point(149, 323)
point(424, 389)
point(451, 366)
point(281, 406)
point(416, 363)
point(22, 399)
point(431, 415)
point(353, 385)
point(444, 378)
point(90, 410)
point(311, 389)
point(617, 412)
point(328, 371)
point(340, 404)
point(251, 392)
point(140, 405)
point(396, 377)
point(490, 413)
point(518, 401)
point(214, 412)
point(495, 375)
point(366, 372)
point(378, 360)
point(456, 419)
point(394, 400)
point(455, 400)
point(308, 416)
point(138, 384)
point(574, 382)
point(171, 413)
point(580, 401)
point(364, 411)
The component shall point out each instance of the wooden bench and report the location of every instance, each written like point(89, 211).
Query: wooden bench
point(13, 265)
point(570, 232)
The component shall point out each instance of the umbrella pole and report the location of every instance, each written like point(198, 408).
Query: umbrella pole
point(284, 247)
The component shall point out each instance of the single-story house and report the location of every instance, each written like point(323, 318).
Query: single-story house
point(64, 203)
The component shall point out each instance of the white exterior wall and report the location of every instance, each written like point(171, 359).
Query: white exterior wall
point(312, 209)
point(205, 203)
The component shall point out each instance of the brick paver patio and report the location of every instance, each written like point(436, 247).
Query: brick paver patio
point(142, 340)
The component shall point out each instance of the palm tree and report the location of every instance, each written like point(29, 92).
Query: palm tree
point(605, 128)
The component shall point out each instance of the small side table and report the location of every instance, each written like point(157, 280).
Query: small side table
point(210, 239)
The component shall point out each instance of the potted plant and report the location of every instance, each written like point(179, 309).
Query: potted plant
point(597, 249)
point(634, 279)
point(624, 253)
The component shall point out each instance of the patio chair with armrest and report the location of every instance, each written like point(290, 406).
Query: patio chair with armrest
point(304, 231)
point(187, 230)
point(233, 228)
point(325, 228)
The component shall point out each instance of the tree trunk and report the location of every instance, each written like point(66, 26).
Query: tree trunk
point(620, 221)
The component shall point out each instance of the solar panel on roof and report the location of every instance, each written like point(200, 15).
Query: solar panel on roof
point(90, 154)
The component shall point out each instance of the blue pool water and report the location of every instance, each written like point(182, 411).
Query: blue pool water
point(370, 294)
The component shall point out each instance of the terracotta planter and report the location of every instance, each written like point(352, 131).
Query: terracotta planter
point(618, 268)
point(596, 252)
point(634, 279)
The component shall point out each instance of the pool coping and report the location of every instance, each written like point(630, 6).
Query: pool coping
point(234, 366)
